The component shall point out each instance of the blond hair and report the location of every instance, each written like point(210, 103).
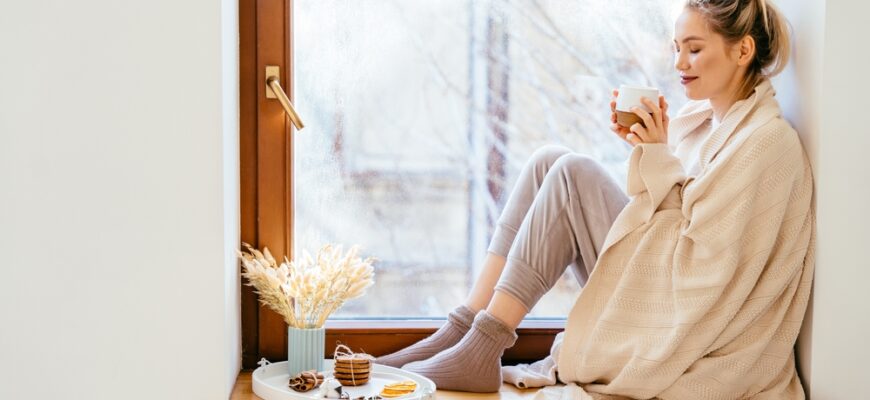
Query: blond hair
point(760, 19)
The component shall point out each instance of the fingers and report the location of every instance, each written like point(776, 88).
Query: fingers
point(640, 132)
point(625, 134)
point(656, 111)
point(665, 118)
point(619, 130)
point(613, 106)
point(632, 139)
point(647, 121)
point(613, 100)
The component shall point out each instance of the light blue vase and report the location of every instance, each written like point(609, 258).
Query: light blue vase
point(305, 349)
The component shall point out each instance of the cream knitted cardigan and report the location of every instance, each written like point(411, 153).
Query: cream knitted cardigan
point(702, 284)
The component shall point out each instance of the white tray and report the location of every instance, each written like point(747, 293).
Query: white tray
point(270, 383)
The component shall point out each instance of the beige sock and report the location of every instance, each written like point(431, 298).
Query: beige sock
point(458, 322)
point(473, 364)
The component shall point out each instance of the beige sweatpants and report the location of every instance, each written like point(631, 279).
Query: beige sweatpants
point(557, 215)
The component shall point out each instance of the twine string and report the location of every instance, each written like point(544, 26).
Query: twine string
point(299, 382)
point(345, 352)
point(313, 374)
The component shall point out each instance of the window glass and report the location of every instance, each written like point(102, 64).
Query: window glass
point(420, 114)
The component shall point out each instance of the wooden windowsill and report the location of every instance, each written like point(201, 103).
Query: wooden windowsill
point(534, 337)
point(243, 391)
point(429, 324)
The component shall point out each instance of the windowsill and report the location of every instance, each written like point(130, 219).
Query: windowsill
point(243, 391)
point(385, 336)
point(379, 337)
point(428, 324)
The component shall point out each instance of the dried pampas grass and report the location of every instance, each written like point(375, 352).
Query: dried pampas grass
point(306, 291)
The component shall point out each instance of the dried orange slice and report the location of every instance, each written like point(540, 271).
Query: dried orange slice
point(398, 389)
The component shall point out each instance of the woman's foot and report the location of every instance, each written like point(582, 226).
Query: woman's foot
point(458, 323)
point(473, 364)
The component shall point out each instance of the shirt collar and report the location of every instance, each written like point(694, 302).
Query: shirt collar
point(697, 112)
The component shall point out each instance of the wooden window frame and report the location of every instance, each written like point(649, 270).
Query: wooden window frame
point(266, 152)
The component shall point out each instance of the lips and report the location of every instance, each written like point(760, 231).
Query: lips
point(686, 79)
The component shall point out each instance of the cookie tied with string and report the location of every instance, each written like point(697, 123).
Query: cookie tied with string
point(351, 369)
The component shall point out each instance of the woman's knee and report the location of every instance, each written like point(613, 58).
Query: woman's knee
point(579, 165)
point(546, 156)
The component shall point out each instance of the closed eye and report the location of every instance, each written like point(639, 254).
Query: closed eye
point(690, 51)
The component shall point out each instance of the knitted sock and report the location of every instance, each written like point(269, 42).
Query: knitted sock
point(458, 322)
point(473, 364)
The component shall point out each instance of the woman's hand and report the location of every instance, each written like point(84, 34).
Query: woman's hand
point(656, 130)
point(618, 129)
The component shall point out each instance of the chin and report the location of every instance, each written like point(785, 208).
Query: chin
point(692, 95)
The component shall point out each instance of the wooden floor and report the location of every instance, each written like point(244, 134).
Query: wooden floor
point(242, 391)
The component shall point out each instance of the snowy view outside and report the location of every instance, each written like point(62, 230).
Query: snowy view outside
point(420, 114)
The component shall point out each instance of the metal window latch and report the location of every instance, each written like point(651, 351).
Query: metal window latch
point(274, 91)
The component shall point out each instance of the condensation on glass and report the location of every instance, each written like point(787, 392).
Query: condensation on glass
point(420, 115)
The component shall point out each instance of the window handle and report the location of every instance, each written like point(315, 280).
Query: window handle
point(274, 91)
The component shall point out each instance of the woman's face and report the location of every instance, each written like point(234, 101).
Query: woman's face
point(702, 54)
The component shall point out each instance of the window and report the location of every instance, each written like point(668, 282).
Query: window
point(420, 115)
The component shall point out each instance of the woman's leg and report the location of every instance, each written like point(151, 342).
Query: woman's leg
point(567, 223)
point(520, 201)
point(459, 320)
point(483, 289)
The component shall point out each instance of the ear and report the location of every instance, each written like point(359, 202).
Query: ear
point(745, 51)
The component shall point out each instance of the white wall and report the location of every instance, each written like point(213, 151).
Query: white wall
point(840, 318)
point(798, 90)
point(820, 93)
point(118, 199)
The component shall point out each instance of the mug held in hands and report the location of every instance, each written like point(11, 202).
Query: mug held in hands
point(629, 96)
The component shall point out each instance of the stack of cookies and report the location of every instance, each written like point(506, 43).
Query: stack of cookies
point(353, 370)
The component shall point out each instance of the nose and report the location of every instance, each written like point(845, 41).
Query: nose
point(680, 62)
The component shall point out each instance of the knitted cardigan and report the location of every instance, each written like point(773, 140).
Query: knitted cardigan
point(701, 287)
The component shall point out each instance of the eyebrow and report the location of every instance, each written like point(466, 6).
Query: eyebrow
point(690, 38)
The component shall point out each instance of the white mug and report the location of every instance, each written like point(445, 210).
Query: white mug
point(629, 96)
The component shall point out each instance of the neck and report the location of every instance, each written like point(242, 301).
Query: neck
point(722, 103)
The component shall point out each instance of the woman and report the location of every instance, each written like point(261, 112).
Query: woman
point(696, 280)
